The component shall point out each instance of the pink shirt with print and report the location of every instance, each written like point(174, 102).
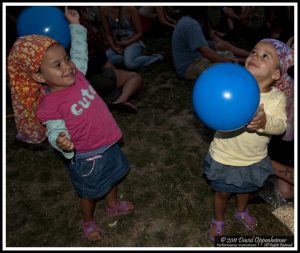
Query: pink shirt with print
point(87, 118)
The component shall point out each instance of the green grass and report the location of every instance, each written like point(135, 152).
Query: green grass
point(164, 143)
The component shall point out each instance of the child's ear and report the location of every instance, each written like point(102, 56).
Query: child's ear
point(38, 77)
point(276, 74)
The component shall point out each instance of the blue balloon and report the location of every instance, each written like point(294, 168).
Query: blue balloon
point(44, 20)
point(226, 96)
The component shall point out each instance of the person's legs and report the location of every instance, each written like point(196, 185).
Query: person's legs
point(222, 45)
point(115, 207)
point(134, 57)
point(113, 57)
point(283, 172)
point(92, 232)
point(245, 12)
point(87, 208)
point(285, 189)
point(130, 82)
point(230, 24)
point(281, 153)
point(104, 82)
point(242, 213)
point(241, 201)
point(284, 182)
point(196, 68)
point(111, 197)
point(220, 202)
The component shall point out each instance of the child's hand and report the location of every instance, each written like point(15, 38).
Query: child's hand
point(72, 16)
point(64, 143)
point(260, 119)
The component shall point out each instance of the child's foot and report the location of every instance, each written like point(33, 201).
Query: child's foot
point(121, 208)
point(248, 221)
point(216, 229)
point(91, 230)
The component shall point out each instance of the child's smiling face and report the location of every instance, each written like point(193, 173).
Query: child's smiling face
point(263, 63)
point(57, 70)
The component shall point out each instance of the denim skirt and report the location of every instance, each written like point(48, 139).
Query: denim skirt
point(93, 174)
point(236, 179)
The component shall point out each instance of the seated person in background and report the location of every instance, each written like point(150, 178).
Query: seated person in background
point(149, 16)
point(114, 85)
point(282, 154)
point(123, 31)
point(278, 23)
point(217, 36)
point(233, 19)
point(281, 150)
point(192, 53)
point(280, 188)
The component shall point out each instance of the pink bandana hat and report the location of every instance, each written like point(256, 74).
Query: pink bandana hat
point(285, 83)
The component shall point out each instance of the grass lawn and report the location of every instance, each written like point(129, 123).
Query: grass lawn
point(164, 143)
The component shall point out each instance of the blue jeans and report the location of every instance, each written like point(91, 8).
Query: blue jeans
point(132, 56)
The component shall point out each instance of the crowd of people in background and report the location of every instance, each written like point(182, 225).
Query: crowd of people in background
point(117, 53)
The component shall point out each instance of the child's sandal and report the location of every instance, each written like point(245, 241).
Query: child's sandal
point(122, 208)
point(219, 229)
point(248, 221)
point(91, 230)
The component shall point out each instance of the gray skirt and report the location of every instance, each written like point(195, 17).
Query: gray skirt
point(237, 179)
